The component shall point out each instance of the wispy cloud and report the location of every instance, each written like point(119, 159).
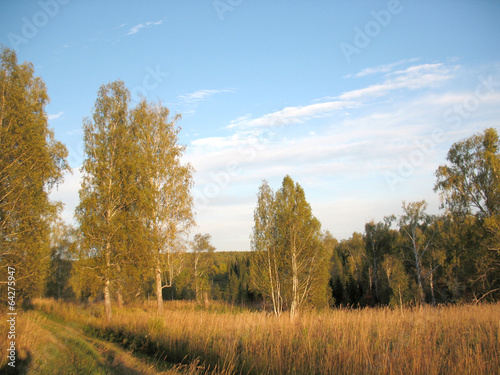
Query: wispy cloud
point(55, 116)
point(137, 28)
point(197, 96)
point(374, 128)
point(291, 115)
point(382, 68)
point(413, 77)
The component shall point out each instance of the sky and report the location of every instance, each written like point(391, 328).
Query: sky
point(358, 101)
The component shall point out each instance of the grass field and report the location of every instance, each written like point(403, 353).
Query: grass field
point(226, 340)
point(47, 345)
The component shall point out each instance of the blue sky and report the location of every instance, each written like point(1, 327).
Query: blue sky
point(358, 101)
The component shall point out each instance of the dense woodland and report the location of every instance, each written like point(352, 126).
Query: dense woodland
point(134, 237)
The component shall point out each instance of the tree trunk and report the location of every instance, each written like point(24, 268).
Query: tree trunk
point(107, 300)
point(400, 298)
point(279, 298)
point(419, 276)
point(274, 283)
point(294, 308)
point(196, 282)
point(420, 287)
point(119, 297)
point(59, 283)
point(273, 296)
point(159, 289)
point(431, 280)
point(107, 293)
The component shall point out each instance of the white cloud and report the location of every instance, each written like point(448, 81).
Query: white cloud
point(353, 136)
point(382, 68)
point(414, 77)
point(55, 116)
point(219, 142)
point(135, 29)
point(200, 95)
point(292, 115)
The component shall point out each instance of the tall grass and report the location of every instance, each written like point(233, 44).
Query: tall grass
point(454, 339)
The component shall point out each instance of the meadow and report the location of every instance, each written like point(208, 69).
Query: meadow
point(223, 339)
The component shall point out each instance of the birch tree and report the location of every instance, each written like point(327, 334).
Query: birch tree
point(300, 238)
point(289, 248)
point(165, 190)
point(398, 280)
point(175, 261)
point(202, 259)
point(32, 163)
point(108, 188)
point(415, 226)
point(267, 267)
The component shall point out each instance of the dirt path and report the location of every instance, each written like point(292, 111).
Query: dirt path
point(59, 348)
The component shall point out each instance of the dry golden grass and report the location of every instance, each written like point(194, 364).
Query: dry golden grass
point(27, 334)
point(441, 340)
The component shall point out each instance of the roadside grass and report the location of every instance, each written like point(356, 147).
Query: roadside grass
point(430, 340)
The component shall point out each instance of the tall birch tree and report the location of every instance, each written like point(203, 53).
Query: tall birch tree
point(300, 237)
point(267, 267)
point(288, 244)
point(166, 201)
point(32, 162)
point(415, 227)
point(108, 187)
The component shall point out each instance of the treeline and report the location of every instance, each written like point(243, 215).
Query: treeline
point(135, 219)
point(416, 258)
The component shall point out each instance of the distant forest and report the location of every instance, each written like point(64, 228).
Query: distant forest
point(133, 240)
